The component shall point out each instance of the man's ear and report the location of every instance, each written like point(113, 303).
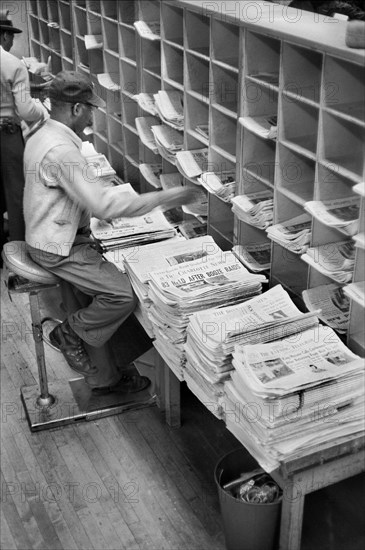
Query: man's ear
point(76, 109)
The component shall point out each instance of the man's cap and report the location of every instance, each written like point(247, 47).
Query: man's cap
point(74, 87)
point(6, 24)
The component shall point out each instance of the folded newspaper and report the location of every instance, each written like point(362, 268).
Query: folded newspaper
point(293, 234)
point(342, 213)
point(333, 303)
point(356, 291)
point(193, 163)
point(169, 141)
point(170, 107)
point(293, 364)
point(334, 260)
point(144, 129)
point(93, 41)
point(221, 184)
point(255, 208)
point(148, 29)
point(263, 126)
point(213, 333)
point(180, 290)
point(146, 102)
point(152, 172)
point(256, 256)
point(106, 81)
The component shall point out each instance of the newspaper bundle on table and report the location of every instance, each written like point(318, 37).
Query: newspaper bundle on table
point(212, 333)
point(333, 303)
point(170, 107)
point(125, 232)
point(342, 213)
point(221, 184)
point(334, 260)
point(152, 172)
point(263, 126)
point(142, 260)
point(143, 126)
point(294, 234)
point(169, 141)
point(255, 209)
point(148, 29)
point(356, 291)
point(179, 291)
point(192, 229)
point(256, 256)
point(193, 163)
point(146, 102)
point(132, 231)
point(293, 396)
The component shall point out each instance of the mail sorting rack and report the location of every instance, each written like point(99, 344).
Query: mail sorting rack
point(230, 60)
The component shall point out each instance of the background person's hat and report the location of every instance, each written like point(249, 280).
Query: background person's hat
point(6, 24)
point(74, 87)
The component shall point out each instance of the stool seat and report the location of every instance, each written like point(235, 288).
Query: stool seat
point(18, 260)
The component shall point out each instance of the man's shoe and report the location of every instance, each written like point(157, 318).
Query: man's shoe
point(70, 344)
point(127, 384)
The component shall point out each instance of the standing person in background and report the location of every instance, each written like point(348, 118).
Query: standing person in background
point(16, 104)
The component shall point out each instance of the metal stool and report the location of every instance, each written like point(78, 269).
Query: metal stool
point(58, 403)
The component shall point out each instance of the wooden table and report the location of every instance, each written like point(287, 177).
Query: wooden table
point(297, 477)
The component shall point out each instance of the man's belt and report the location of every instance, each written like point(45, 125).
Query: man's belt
point(9, 125)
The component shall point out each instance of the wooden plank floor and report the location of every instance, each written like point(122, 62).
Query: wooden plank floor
point(127, 481)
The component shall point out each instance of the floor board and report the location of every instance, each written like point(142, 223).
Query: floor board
point(127, 481)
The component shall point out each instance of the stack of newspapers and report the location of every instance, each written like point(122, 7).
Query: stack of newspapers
point(221, 184)
point(146, 102)
point(295, 396)
point(213, 333)
point(127, 232)
point(255, 256)
point(333, 303)
point(178, 291)
point(255, 209)
point(343, 214)
point(294, 234)
point(334, 260)
point(170, 107)
point(169, 141)
point(152, 173)
point(191, 164)
point(144, 125)
point(139, 261)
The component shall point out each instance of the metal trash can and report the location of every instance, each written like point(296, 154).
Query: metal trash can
point(247, 526)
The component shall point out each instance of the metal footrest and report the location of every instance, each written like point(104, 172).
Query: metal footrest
point(75, 402)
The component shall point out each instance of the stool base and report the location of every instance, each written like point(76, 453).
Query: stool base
point(75, 402)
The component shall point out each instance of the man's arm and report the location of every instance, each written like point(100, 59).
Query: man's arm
point(26, 107)
point(68, 169)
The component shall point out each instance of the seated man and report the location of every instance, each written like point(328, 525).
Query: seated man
point(58, 202)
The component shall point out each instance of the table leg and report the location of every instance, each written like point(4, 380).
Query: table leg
point(291, 518)
point(160, 367)
point(172, 402)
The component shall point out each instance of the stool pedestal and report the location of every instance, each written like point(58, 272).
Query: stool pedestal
point(55, 404)
point(75, 402)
